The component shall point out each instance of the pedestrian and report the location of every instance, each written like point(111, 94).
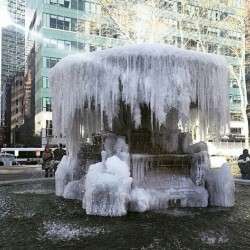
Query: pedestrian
point(244, 155)
point(48, 161)
point(243, 163)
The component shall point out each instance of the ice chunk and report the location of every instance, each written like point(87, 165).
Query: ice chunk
point(75, 190)
point(107, 188)
point(63, 175)
point(162, 191)
point(221, 187)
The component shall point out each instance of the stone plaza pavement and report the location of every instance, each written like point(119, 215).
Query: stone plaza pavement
point(22, 173)
point(31, 173)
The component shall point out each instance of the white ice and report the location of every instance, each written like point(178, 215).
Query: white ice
point(107, 188)
point(162, 76)
point(63, 175)
point(87, 90)
point(221, 186)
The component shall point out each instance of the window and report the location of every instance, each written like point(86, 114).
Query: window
point(53, 21)
point(21, 83)
point(16, 101)
point(49, 128)
point(89, 6)
point(46, 105)
point(74, 4)
point(60, 22)
point(67, 3)
point(16, 110)
point(61, 3)
point(77, 46)
point(80, 5)
point(67, 24)
point(47, 62)
point(235, 131)
point(45, 82)
point(73, 24)
point(51, 62)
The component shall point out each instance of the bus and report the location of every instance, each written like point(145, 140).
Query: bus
point(27, 156)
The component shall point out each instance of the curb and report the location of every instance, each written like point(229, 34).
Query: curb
point(242, 181)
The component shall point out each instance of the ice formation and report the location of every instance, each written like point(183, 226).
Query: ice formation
point(107, 188)
point(221, 186)
point(162, 76)
point(63, 175)
point(153, 90)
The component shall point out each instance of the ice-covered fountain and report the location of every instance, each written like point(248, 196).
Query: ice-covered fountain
point(129, 115)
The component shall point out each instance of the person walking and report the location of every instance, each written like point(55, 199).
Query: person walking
point(48, 161)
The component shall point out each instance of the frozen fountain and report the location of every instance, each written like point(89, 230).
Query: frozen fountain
point(129, 115)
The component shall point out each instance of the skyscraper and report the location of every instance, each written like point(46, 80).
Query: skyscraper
point(11, 46)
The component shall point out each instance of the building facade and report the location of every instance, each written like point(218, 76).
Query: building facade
point(54, 30)
point(54, 27)
point(17, 94)
point(11, 46)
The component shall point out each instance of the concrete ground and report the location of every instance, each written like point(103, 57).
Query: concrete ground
point(22, 173)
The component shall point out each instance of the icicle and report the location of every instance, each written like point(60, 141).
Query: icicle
point(164, 77)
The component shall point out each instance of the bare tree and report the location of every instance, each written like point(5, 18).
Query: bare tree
point(132, 21)
point(247, 20)
point(235, 27)
point(198, 25)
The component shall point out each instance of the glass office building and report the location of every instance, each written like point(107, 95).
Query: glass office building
point(53, 26)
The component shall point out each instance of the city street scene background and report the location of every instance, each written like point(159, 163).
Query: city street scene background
point(75, 173)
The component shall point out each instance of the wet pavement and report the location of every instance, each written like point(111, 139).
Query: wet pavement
point(32, 173)
point(22, 173)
